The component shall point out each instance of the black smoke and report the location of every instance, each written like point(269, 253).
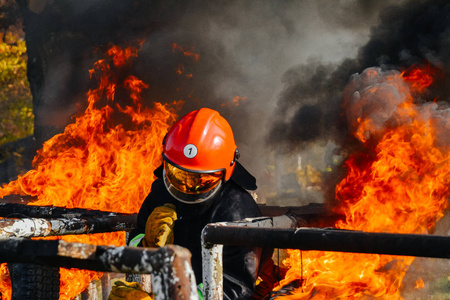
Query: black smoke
point(416, 32)
point(244, 48)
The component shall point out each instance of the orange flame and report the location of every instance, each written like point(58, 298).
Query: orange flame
point(5, 282)
point(189, 53)
point(420, 78)
point(181, 70)
point(104, 160)
point(419, 284)
point(402, 186)
point(236, 101)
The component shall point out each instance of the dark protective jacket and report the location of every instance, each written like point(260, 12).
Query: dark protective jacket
point(233, 203)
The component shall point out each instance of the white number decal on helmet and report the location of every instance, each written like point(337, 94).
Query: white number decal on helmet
point(190, 151)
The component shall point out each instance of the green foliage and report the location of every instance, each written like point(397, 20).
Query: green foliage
point(441, 288)
point(16, 112)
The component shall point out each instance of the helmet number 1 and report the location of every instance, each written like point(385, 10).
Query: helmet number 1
point(190, 151)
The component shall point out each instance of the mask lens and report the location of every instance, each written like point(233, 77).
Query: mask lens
point(189, 182)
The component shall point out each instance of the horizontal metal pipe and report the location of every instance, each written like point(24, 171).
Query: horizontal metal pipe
point(38, 227)
point(59, 253)
point(9, 210)
point(312, 209)
point(170, 266)
point(329, 240)
point(14, 210)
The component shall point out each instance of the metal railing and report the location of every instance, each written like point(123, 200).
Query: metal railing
point(169, 266)
point(170, 269)
point(281, 232)
point(171, 272)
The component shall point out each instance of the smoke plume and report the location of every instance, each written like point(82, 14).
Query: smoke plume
point(289, 62)
point(415, 32)
point(244, 47)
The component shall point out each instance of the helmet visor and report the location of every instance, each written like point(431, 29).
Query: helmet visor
point(191, 183)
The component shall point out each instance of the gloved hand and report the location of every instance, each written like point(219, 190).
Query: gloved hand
point(123, 290)
point(159, 226)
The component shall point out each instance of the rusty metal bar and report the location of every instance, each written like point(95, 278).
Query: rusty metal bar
point(90, 293)
point(170, 266)
point(212, 271)
point(330, 240)
point(14, 210)
point(311, 215)
point(312, 209)
point(10, 210)
point(38, 227)
point(106, 284)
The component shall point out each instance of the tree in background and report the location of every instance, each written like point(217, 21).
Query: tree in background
point(16, 112)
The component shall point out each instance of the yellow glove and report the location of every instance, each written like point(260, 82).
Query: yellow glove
point(159, 226)
point(123, 290)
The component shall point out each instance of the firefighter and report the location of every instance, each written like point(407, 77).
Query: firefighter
point(201, 182)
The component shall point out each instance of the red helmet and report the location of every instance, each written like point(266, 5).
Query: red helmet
point(199, 154)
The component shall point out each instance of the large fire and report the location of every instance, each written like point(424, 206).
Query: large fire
point(399, 184)
point(104, 160)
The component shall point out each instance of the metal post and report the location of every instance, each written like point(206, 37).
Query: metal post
point(212, 252)
point(212, 271)
point(106, 284)
point(91, 292)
